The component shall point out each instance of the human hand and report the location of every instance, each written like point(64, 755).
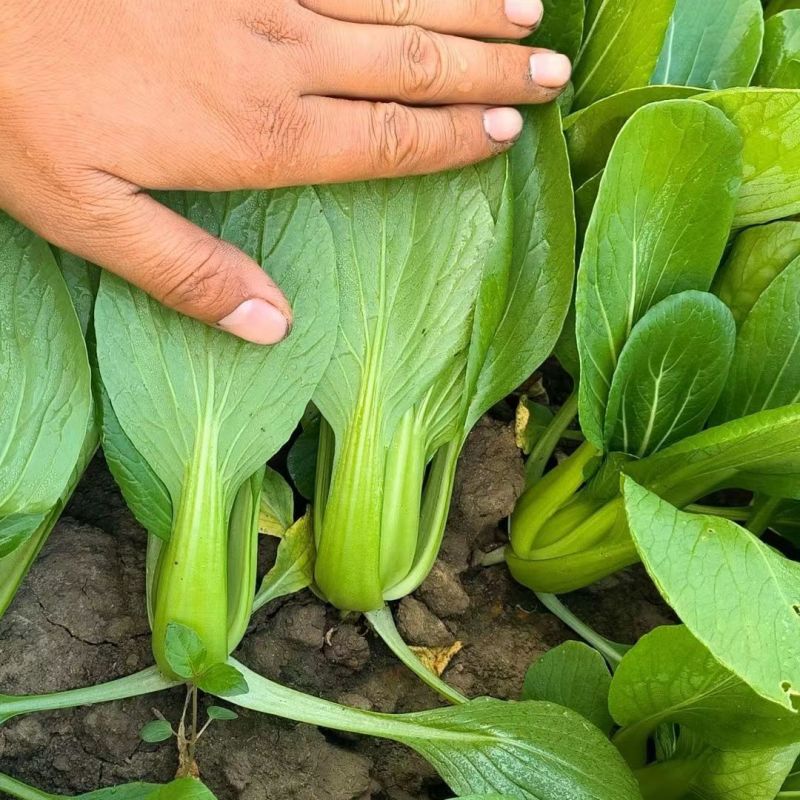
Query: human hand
point(104, 98)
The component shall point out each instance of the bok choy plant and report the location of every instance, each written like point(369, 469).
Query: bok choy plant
point(663, 369)
point(450, 297)
point(47, 433)
point(196, 414)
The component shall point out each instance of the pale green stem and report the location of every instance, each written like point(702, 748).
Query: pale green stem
point(545, 497)
point(612, 651)
point(243, 558)
point(268, 697)
point(382, 623)
point(21, 790)
point(545, 446)
point(146, 682)
point(494, 557)
point(433, 519)
point(402, 499)
point(764, 510)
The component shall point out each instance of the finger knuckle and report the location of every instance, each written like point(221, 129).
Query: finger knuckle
point(394, 136)
point(397, 12)
point(423, 64)
point(195, 276)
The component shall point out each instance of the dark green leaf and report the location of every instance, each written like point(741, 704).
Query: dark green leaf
point(573, 675)
point(760, 452)
point(158, 730)
point(185, 651)
point(302, 459)
point(45, 403)
point(780, 63)
point(621, 47)
point(715, 44)
point(738, 596)
point(766, 368)
point(222, 680)
point(670, 374)
point(222, 714)
point(561, 28)
point(659, 227)
point(591, 132)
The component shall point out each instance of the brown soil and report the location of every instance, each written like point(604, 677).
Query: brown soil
point(79, 619)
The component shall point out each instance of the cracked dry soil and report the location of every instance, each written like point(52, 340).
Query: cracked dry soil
point(80, 619)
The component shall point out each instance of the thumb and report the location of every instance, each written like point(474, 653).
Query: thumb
point(179, 264)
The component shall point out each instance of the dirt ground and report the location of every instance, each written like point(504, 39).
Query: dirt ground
point(80, 619)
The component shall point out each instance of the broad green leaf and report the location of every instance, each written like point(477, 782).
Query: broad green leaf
point(204, 409)
point(528, 750)
point(780, 63)
point(185, 651)
point(757, 257)
point(743, 774)
point(542, 265)
point(760, 453)
point(561, 28)
point(566, 349)
point(621, 47)
point(591, 132)
point(575, 676)
point(714, 44)
point(144, 493)
point(766, 368)
point(82, 280)
point(660, 225)
point(277, 504)
point(738, 596)
point(769, 121)
point(410, 258)
point(183, 789)
point(157, 730)
point(670, 374)
point(668, 676)
point(294, 565)
point(195, 383)
point(585, 201)
point(222, 680)
point(221, 713)
point(45, 399)
point(700, 772)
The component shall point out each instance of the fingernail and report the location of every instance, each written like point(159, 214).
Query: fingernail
point(527, 13)
point(256, 321)
point(502, 124)
point(550, 70)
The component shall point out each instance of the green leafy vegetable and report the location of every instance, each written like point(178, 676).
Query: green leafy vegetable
point(277, 504)
point(575, 676)
point(738, 596)
point(437, 325)
point(621, 47)
point(158, 730)
point(714, 44)
point(768, 122)
point(780, 62)
point(561, 28)
point(657, 229)
point(529, 751)
point(757, 257)
point(670, 374)
point(206, 410)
